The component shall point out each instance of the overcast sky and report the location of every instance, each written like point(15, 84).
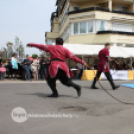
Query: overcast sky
point(27, 19)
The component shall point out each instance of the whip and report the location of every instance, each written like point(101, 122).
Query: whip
point(127, 103)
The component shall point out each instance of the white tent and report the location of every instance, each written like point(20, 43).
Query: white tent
point(115, 51)
point(128, 50)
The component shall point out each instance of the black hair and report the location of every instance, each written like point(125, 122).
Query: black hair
point(107, 44)
point(14, 54)
point(59, 41)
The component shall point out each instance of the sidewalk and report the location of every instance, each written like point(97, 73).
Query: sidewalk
point(21, 81)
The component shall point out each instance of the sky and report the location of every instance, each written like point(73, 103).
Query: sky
point(26, 19)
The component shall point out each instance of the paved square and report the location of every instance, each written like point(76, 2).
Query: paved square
point(93, 113)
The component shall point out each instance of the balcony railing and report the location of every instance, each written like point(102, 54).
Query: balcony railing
point(90, 9)
point(115, 32)
point(99, 9)
point(123, 12)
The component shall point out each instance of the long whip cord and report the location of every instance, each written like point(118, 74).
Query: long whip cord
point(127, 103)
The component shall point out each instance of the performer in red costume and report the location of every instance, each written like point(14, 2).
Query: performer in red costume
point(58, 68)
point(103, 66)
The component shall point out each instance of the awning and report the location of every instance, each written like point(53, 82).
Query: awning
point(93, 50)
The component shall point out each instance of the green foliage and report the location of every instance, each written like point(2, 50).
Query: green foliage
point(3, 60)
point(19, 48)
point(34, 56)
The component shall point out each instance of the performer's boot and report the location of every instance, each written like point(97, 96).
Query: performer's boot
point(77, 87)
point(54, 90)
point(113, 85)
point(54, 94)
point(110, 79)
point(93, 84)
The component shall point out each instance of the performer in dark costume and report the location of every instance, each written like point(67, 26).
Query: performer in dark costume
point(104, 67)
point(58, 68)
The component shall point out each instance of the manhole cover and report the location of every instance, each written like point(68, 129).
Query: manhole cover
point(71, 109)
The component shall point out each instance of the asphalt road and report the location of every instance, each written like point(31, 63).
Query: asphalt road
point(94, 112)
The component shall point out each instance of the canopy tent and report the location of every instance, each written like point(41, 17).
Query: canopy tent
point(115, 51)
point(128, 50)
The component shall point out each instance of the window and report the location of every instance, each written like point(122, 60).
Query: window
point(83, 27)
point(90, 26)
point(66, 34)
point(102, 25)
point(122, 27)
point(75, 28)
point(120, 8)
point(50, 42)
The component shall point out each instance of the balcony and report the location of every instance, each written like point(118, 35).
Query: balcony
point(51, 35)
point(102, 37)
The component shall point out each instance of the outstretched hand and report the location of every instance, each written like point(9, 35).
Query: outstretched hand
point(29, 45)
point(86, 65)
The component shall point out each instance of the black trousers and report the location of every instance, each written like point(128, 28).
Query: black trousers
point(109, 78)
point(80, 74)
point(107, 74)
point(64, 79)
point(42, 73)
point(2, 76)
point(14, 72)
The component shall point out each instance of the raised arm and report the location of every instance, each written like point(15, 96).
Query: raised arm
point(74, 58)
point(39, 46)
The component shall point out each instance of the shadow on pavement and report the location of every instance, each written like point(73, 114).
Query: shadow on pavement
point(45, 95)
point(99, 88)
point(37, 94)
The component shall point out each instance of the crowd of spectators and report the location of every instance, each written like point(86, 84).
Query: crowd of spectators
point(115, 65)
point(35, 68)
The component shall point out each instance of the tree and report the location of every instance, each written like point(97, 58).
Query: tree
point(0, 53)
point(34, 56)
point(19, 48)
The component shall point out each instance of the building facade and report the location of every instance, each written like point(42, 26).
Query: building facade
point(93, 22)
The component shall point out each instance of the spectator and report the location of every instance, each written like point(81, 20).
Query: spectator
point(113, 67)
point(42, 67)
point(2, 71)
point(8, 65)
point(0, 61)
point(117, 65)
point(20, 59)
point(14, 64)
point(124, 66)
point(27, 64)
point(133, 66)
point(48, 61)
point(128, 67)
point(35, 68)
point(91, 67)
point(80, 71)
point(95, 67)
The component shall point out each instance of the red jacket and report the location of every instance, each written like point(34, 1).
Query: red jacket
point(58, 52)
point(103, 60)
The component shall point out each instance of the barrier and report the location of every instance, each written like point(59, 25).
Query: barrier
point(89, 75)
point(131, 75)
point(116, 74)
